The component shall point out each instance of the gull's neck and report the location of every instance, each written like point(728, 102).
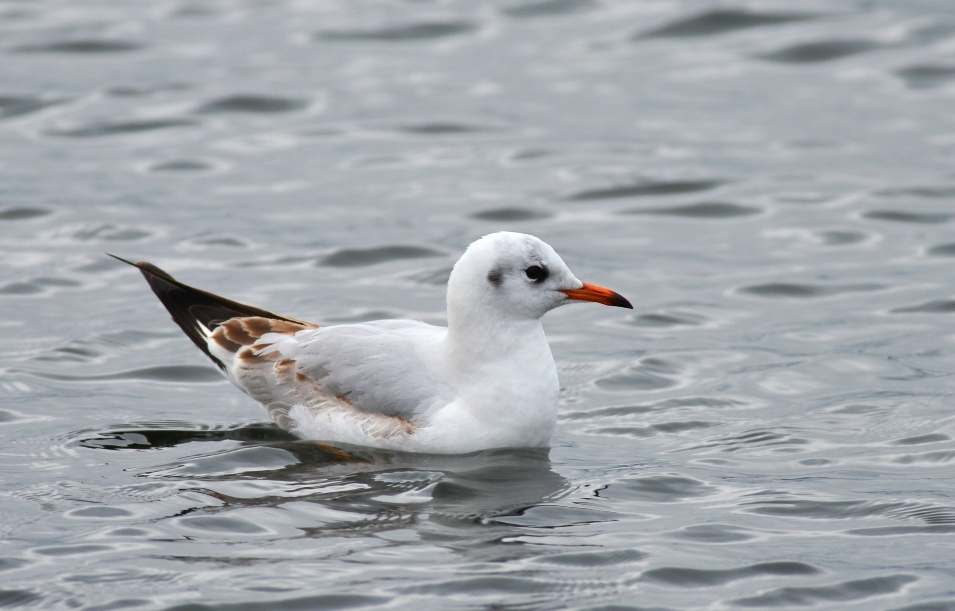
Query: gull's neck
point(481, 337)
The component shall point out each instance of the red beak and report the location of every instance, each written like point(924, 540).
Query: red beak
point(592, 292)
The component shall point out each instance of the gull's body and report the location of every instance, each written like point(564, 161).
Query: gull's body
point(487, 380)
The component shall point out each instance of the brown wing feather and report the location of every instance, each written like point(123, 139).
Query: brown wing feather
point(234, 324)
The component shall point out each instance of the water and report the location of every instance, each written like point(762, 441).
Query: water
point(772, 187)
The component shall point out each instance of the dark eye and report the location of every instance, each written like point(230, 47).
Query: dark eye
point(535, 273)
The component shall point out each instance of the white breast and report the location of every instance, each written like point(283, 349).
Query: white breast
point(507, 401)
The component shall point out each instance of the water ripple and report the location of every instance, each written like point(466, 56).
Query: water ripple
point(547, 8)
point(168, 373)
point(21, 213)
point(322, 601)
point(95, 130)
point(858, 589)
point(807, 291)
point(720, 21)
point(252, 104)
point(821, 51)
point(703, 210)
point(360, 257)
point(82, 46)
point(15, 106)
point(926, 76)
point(416, 31)
point(901, 216)
point(696, 578)
point(646, 188)
point(511, 215)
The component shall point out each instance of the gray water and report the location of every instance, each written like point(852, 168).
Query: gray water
point(770, 183)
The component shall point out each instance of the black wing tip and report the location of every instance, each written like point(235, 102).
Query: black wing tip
point(192, 308)
point(145, 267)
point(127, 262)
point(178, 299)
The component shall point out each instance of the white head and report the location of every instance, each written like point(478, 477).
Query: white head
point(516, 276)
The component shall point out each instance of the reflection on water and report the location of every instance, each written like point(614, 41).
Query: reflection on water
point(478, 487)
point(770, 184)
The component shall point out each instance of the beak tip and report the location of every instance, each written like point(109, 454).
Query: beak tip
point(598, 294)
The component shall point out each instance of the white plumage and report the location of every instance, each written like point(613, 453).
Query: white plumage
point(487, 380)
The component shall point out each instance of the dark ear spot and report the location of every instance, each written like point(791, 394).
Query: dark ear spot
point(496, 276)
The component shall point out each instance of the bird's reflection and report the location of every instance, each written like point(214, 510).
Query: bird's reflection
point(443, 497)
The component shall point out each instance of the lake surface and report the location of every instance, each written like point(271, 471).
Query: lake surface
point(772, 187)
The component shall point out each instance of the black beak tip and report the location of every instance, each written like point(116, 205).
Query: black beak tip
point(621, 302)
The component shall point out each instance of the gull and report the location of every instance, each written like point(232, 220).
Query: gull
point(487, 380)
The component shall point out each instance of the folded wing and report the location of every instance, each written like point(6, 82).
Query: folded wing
point(383, 376)
point(375, 379)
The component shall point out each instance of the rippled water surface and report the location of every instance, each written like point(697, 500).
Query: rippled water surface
point(772, 184)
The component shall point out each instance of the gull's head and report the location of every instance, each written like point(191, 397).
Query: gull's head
point(518, 276)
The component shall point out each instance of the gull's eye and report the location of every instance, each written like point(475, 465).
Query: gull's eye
point(536, 273)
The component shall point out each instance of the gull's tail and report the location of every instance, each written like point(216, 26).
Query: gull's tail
point(198, 313)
